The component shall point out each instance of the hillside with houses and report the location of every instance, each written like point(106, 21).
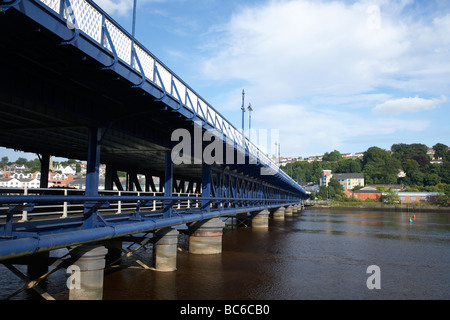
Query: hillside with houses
point(416, 172)
point(26, 174)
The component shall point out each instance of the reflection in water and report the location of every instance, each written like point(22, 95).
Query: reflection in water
point(319, 254)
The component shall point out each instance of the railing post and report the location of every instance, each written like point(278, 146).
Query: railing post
point(24, 212)
point(119, 204)
point(64, 216)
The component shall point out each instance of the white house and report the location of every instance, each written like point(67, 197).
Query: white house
point(66, 170)
point(19, 183)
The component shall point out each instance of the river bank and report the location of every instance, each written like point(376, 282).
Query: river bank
point(408, 207)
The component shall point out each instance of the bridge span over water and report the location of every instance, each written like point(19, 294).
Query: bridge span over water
point(75, 84)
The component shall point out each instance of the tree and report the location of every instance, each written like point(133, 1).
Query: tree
point(443, 198)
point(410, 165)
point(431, 179)
point(391, 197)
point(440, 151)
point(21, 161)
point(416, 178)
point(445, 172)
point(33, 165)
point(333, 156)
point(379, 166)
point(408, 151)
point(4, 160)
point(333, 191)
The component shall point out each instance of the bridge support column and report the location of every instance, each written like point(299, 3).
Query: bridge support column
point(294, 209)
point(206, 236)
point(261, 220)
point(90, 259)
point(288, 211)
point(165, 248)
point(279, 214)
point(168, 184)
point(45, 167)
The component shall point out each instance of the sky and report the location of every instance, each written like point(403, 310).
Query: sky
point(328, 75)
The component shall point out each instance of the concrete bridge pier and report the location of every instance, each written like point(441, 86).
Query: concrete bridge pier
point(279, 213)
point(88, 270)
point(261, 220)
point(295, 209)
point(288, 211)
point(205, 237)
point(165, 248)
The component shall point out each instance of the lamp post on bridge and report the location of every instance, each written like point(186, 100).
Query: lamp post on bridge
point(133, 29)
point(277, 143)
point(249, 121)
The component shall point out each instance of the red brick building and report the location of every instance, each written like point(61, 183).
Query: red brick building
point(366, 193)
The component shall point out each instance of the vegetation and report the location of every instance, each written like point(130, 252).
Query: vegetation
point(383, 167)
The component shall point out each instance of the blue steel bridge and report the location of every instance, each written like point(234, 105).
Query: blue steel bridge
point(75, 84)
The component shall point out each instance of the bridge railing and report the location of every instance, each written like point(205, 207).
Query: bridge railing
point(64, 208)
point(89, 18)
point(66, 203)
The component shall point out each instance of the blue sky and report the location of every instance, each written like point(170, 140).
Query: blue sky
point(344, 75)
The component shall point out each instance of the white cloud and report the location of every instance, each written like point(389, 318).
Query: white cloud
point(124, 7)
point(309, 66)
point(407, 105)
point(302, 128)
point(301, 48)
point(119, 7)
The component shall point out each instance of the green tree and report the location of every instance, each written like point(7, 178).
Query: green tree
point(21, 161)
point(33, 165)
point(333, 156)
point(417, 178)
point(443, 198)
point(431, 179)
point(379, 166)
point(409, 151)
point(4, 160)
point(445, 172)
point(391, 197)
point(415, 151)
point(349, 166)
point(410, 165)
point(440, 151)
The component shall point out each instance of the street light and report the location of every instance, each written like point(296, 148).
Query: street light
point(277, 143)
point(249, 121)
point(133, 28)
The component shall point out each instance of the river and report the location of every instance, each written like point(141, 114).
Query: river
point(318, 254)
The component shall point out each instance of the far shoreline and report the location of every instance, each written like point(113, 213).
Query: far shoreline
point(407, 207)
